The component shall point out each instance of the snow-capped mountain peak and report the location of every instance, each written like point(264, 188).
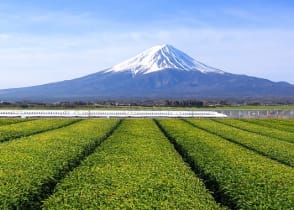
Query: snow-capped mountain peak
point(162, 57)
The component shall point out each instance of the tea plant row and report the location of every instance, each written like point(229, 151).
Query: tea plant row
point(31, 166)
point(281, 151)
point(136, 168)
point(26, 128)
point(6, 121)
point(241, 178)
point(284, 125)
point(259, 129)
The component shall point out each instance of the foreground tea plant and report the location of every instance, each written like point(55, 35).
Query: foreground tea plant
point(279, 150)
point(285, 124)
point(30, 167)
point(8, 121)
point(259, 129)
point(136, 168)
point(27, 128)
point(242, 178)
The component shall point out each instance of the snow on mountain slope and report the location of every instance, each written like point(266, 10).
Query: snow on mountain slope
point(162, 57)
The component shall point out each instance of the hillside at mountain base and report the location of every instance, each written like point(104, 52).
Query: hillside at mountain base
point(161, 72)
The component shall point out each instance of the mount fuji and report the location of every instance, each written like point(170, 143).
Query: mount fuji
point(161, 72)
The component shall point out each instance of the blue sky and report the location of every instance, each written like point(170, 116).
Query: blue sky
point(45, 41)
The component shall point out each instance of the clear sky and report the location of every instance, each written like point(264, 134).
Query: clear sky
point(53, 40)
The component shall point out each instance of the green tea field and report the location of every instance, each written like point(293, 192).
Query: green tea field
point(146, 164)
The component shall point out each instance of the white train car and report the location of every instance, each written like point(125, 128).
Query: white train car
point(108, 113)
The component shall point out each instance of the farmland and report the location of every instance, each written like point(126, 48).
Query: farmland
point(146, 164)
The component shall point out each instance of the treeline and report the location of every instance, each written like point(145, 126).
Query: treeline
point(185, 103)
point(108, 103)
point(143, 103)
